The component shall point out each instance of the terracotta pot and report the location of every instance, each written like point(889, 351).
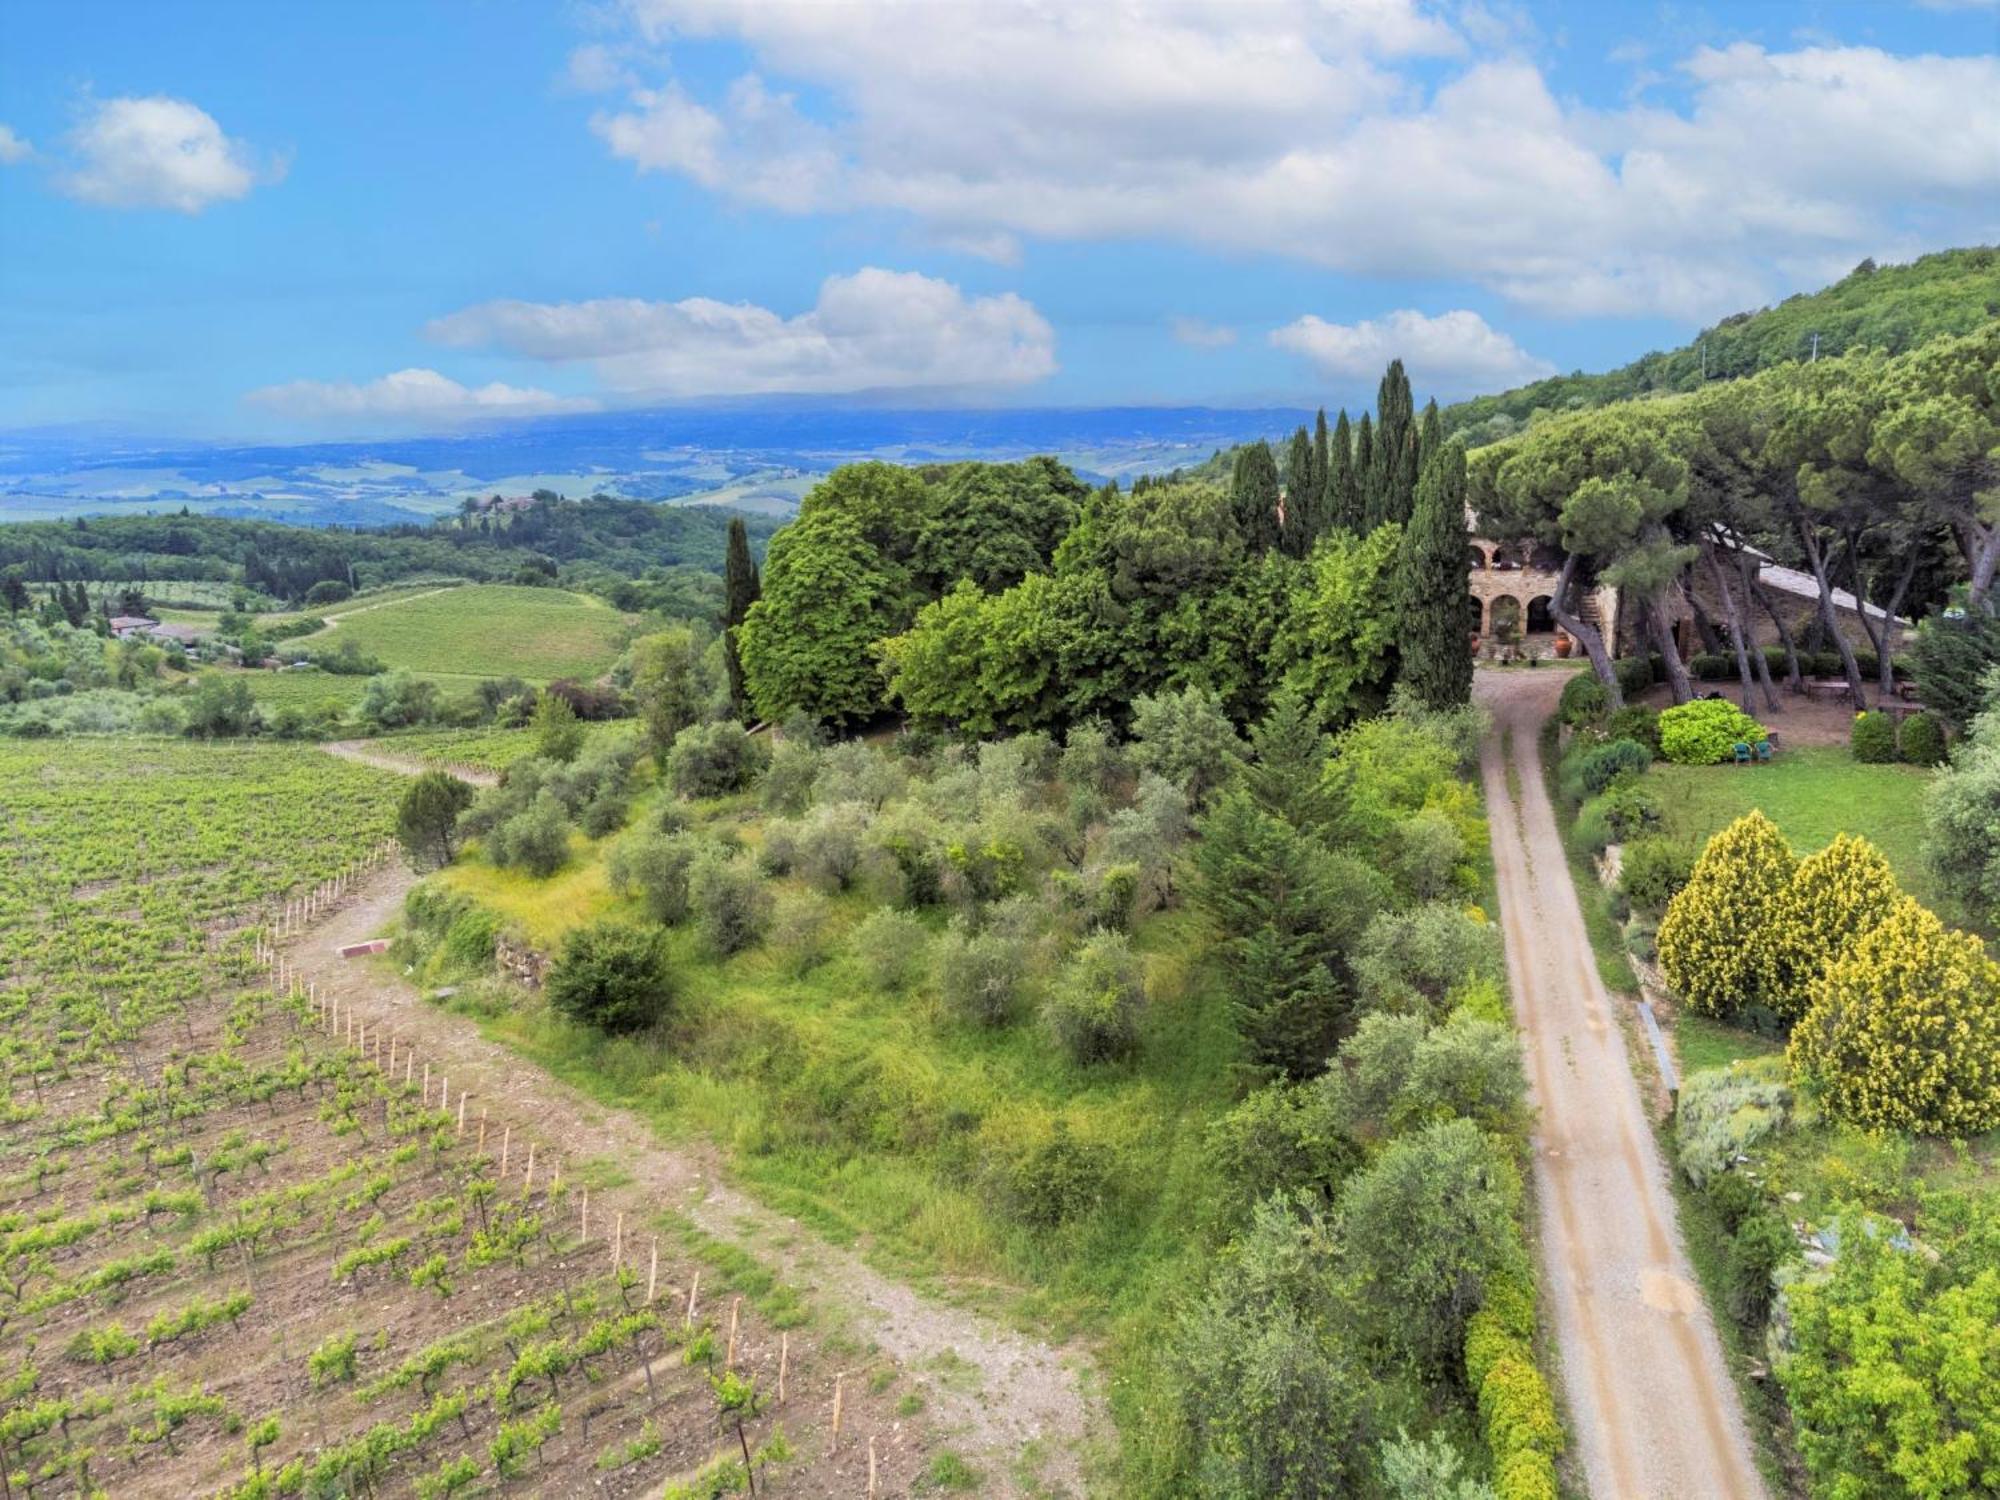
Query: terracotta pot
point(1564, 645)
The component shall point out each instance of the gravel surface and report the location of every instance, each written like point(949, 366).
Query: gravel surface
point(1651, 1405)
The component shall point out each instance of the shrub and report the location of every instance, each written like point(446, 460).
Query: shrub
point(1712, 666)
point(730, 904)
point(1584, 700)
point(1723, 1112)
point(712, 760)
point(537, 840)
point(558, 735)
point(979, 974)
point(891, 946)
point(1920, 740)
point(1834, 897)
point(1651, 872)
point(1093, 1007)
point(1412, 961)
point(1873, 738)
point(1283, 1138)
point(788, 779)
point(1903, 1032)
point(1635, 722)
point(829, 842)
point(654, 868)
point(604, 815)
point(1607, 763)
point(1615, 816)
point(798, 932)
point(1715, 946)
point(1706, 731)
point(1061, 1179)
point(1634, 674)
point(1425, 854)
point(612, 976)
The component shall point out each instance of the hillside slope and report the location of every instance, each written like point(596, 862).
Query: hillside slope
point(1887, 307)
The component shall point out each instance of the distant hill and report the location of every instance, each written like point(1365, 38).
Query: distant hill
point(1883, 307)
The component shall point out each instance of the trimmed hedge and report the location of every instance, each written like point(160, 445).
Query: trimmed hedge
point(1635, 722)
point(1583, 700)
point(1706, 731)
point(1873, 738)
point(1921, 740)
point(1516, 1409)
point(1634, 673)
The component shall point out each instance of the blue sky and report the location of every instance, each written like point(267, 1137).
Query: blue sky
point(224, 219)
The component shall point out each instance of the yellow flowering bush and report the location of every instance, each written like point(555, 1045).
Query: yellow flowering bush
point(1835, 897)
point(1904, 1029)
point(1714, 941)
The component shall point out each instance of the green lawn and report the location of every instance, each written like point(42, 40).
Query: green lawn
point(485, 630)
point(1811, 794)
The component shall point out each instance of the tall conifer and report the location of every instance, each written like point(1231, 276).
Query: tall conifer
point(1343, 493)
point(1430, 576)
point(740, 588)
point(1301, 499)
point(1253, 497)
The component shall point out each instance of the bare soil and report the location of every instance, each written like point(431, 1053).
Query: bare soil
point(1653, 1411)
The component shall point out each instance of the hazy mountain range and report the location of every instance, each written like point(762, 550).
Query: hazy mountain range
point(756, 459)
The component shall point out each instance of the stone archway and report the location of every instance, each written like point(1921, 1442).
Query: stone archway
point(1475, 614)
point(1541, 617)
point(1475, 558)
point(1504, 617)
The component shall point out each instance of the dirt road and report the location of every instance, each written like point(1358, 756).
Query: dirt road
point(1014, 1407)
point(1654, 1412)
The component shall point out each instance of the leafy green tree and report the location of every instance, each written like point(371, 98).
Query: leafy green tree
point(1335, 641)
point(1893, 1378)
point(558, 735)
point(667, 684)
point(1094, 1005)
point(398, 700)
point(1271, 1390)
point(612, 976)
point(1425, 1227)
point(1962, 819)
point(654, 868)
point(1254, 497)
point(830, 595)
point(1435, 659)
point(994, 524)
point(427, 818)
point(1185, 738)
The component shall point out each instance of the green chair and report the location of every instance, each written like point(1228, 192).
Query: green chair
point(1742, 753)
point(1764, 752)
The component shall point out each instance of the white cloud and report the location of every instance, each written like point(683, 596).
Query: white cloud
point(409, 398)
point(1197, 334)
point(1453, 352)
point(159, 152)
point(13, 147)
point(872, 330)
point(1018, 119)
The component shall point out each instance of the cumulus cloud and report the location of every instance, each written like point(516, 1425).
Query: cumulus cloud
point(1197, 334)
point(13, 147)
point(409, 398)
point(1018, 119)
point(872, 330)
point(159, 152)
point(1452, 352)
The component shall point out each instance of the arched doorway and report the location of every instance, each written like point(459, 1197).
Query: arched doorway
point(1475, 558)
point(1541, 619)
point(1506, 617)
point(1475, 613)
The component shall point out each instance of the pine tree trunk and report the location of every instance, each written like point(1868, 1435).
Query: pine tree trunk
point(1736, 632)
point(1587, 635)
point(1670, 654)
point(1829, 618)
point(1794, 678)
point(1882, 640)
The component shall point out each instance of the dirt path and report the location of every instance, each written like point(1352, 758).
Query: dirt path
point(333, 620)
point(991, 1391)
point(370, 753)
point(1654, 1412)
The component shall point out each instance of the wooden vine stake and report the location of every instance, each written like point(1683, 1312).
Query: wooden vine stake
point(729, 1354)
point(653, 1273)
point(528, 1179)
point(427, 1086)
point(586, 1216)
point(784, 1358)
point(871, 1466)
point(694, 1288)
point(618, 1242)
point(834, 1446)
point(506, 1141)
point(482, 1130)
point(461, 1114)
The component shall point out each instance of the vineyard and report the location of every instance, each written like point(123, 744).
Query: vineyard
point(491, 630)
point(249, 1248)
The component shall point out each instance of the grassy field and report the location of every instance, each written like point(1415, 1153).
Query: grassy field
point(484, 630)
point(1812, 794)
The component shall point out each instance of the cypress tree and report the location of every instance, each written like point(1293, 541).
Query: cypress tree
point(740, 589)
point(1392, 488)
point(1343, 492)
point(1253, 497)
point(1430, 569)
point(1301, 503)
point(1321, 444)
point(1364, 474)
